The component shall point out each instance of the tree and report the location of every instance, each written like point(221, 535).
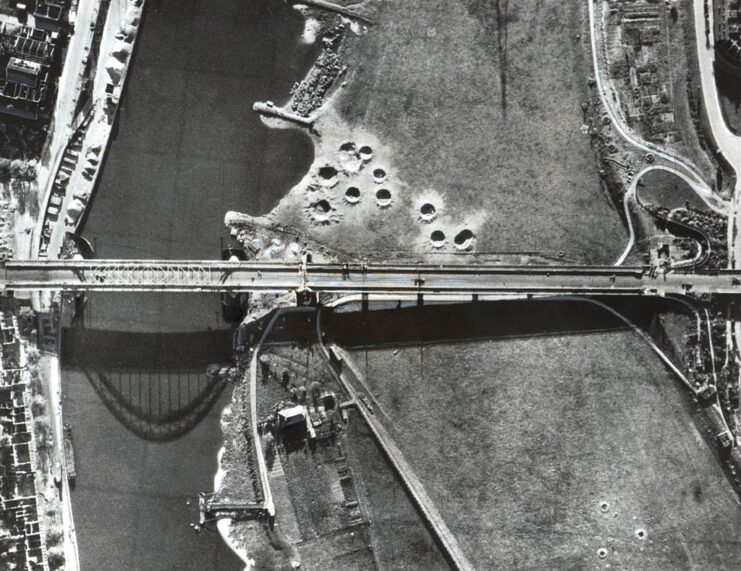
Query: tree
point(55, 557)
point(54, 535)
point(41, 426)
point(33, 355)
point(38, 405)
point(5, 168)
point(316, 390)
point(17, 168)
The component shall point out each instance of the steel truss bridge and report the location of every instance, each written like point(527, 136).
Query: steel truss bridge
point(359, 278)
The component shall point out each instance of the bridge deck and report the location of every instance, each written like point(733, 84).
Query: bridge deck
point(137, 275)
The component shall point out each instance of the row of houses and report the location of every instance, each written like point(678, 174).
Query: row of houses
point(22, 542)
point(727, 20)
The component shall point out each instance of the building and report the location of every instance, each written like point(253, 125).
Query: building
point(51, 14)
point(295, 424)
point(26, 87)
point(22, 539)
point(24, 72)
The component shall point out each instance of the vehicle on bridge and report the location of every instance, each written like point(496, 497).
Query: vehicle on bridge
point(234, 304)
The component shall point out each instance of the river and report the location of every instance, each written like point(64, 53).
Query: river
point(187, 148)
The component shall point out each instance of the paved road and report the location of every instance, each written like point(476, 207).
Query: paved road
point(121, 275)
point(630, 196)
point(728, 143)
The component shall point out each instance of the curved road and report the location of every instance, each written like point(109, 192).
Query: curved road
point(630, 194)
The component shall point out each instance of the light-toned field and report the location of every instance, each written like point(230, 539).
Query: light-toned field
point(489, 115)
point(520, 440)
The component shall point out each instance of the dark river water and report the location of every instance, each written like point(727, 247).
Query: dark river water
point(187, 148)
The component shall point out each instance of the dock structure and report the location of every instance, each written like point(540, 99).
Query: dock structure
point(270, 110)
point(417, 492)
point(69, 454)
point(210, 509)
point(336, 8)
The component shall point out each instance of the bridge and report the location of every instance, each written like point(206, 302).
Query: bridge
point(375, 278)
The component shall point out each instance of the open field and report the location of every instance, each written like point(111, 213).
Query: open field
point(496, 128)
point(400, 539)
point(542, 449)
point(476, 113)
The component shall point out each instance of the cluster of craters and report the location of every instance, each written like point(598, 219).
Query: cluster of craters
point(354, 177)
point(350, 172)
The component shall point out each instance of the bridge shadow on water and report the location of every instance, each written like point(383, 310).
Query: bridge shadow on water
point(484, 320)
point(155, 384)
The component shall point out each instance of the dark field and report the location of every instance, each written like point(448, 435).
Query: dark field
point(519, 439)
point(485, 110)
point(667, 189)
point(729, 92)
point(400, 539)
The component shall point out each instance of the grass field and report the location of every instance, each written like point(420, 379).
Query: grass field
point(667, 189)
point(400, 539)
point(541, 450)
point(481, 112)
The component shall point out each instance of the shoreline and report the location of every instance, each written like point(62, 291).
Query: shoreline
point(224, 525)
point(91, 129)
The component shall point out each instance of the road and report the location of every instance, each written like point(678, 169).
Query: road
point(93, 126)
point(52, 365)
point(630, 196)
point(68, 92)
point(728, 143)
